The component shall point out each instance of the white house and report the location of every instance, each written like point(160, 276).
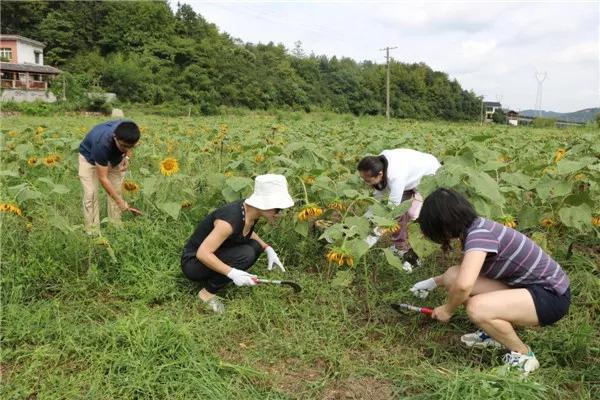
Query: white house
point(490, 109)
point(24, 77)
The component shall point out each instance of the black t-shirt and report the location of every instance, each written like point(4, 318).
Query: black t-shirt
point(233, 214)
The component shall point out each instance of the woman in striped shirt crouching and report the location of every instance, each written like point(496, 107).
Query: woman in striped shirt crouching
point(505, 279)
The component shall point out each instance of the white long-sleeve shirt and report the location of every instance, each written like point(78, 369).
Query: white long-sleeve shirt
point(405, 169)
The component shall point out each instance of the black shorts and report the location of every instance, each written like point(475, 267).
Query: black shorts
point(549, 306)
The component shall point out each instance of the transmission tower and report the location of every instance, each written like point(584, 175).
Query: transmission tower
point(540, 77)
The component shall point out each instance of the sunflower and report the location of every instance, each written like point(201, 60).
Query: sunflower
point(309, 180)
point(337, 205)
point(559, 155)
point(169, 166)
point(39, 130)
point(32, 161)
point(51, 159)
point(508, 221)
point(391, 229)
point(340, 257)
point(596, 220)
point(186, 204)
point(259, 158)
point(11, 208)
point(130, 186)
point(309, 212)
point(548, 222)
point(12, 133)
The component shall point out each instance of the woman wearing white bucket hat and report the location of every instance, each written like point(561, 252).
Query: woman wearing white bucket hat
point(224, 245)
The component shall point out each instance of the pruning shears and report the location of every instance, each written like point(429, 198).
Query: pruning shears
point(401, 307)
point(297, 288)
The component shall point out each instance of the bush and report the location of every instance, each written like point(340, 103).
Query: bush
point(541, 122)
point(98, 104)
point(499, 117)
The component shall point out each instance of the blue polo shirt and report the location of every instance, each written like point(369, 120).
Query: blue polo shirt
point(99, 147)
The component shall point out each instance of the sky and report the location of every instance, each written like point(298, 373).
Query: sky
point(498, 49)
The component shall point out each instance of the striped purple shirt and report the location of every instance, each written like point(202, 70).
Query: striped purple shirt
point(513, 258)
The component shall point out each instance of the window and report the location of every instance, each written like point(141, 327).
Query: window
point(37, 57)
point(6, 54)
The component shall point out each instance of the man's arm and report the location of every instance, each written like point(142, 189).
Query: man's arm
point(102, 172)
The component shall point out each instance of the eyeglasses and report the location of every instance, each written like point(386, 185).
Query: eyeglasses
point(124, 145)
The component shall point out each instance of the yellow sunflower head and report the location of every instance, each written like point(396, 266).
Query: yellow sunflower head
point(186, 204)
point(10, 208)
point(12, 133)
point(259, 158)
point(311, 211)
point(51, 160)
point(340, 257)
point(559, 155)
point(169, 166)
point(548, 222)
point(508, 221)
point(596, 220)
point(130, 186)
point(32, 161)
point(309, 180)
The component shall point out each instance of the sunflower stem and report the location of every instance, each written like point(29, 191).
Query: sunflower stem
point(303, 188)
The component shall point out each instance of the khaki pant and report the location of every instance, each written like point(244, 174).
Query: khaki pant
point(89, 181)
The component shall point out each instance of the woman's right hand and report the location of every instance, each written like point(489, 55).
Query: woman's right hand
point(241, 278)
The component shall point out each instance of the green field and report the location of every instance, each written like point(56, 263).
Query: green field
point(112, 317)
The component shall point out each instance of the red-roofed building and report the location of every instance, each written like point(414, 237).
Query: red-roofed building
point(24, 77)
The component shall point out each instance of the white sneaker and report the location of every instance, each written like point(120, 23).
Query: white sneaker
point(214, 304)
point(479, 339)
point(525, 362)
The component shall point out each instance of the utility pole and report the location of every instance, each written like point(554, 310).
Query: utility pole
point(540, 77)
point(387, 81)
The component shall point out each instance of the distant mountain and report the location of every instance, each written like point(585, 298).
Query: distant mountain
point(586, 115)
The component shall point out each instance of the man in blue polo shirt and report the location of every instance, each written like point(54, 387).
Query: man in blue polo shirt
point(104, 157)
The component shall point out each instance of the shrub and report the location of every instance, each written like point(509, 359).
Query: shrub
point(541, 122)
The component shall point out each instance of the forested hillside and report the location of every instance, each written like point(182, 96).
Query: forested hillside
point(146, 53)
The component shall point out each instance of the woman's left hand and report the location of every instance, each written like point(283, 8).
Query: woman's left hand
point(441, 313)
point(273, 259)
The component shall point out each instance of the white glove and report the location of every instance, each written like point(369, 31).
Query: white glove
point(371, 240)
point(421, 289)
point(241, 278)
point(273, 259)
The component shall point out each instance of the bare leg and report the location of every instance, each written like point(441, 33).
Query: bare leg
point(496, 312)
point(205, 295)
point(495, 307)
point(482, 284)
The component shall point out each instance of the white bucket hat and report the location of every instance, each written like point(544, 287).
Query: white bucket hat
point(270, 191)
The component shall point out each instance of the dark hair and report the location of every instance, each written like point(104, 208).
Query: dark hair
point(372, 164)
point(445, 215)
point(128, 132)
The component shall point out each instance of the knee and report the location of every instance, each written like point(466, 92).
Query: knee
point(476, 310)
point(449, 277)
point(248, 255)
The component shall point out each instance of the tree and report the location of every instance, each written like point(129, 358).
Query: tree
point(499, 117)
